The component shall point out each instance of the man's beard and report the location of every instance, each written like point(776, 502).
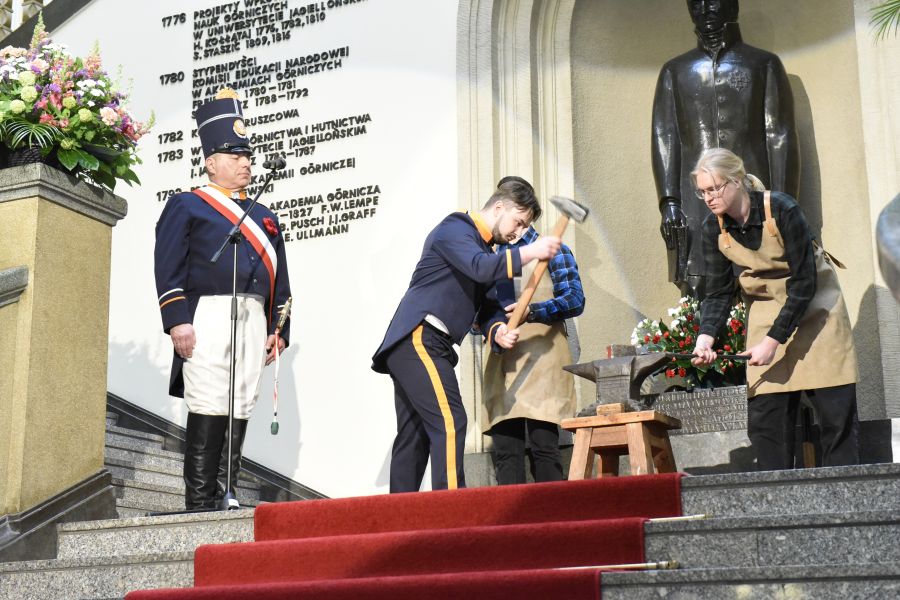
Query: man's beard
point(498, 237)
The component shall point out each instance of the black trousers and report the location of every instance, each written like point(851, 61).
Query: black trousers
point(509, 450)
point(431, 420)
point(772, 418)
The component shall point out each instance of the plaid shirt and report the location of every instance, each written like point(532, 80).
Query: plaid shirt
point(721, 272)
point(568, 294)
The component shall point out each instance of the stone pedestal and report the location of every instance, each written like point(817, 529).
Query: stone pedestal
point(55, 337)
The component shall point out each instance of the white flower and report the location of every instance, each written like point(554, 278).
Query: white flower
point(97, 93)
point(674, 324)
point(673, 312)
point(108, 116)
point(91, 103)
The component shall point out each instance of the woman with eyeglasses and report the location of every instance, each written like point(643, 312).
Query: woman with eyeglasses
point(799, 337)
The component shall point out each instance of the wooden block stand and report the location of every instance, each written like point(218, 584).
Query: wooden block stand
point(643, 435)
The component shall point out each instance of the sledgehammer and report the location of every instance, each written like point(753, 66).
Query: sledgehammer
point(570, 210)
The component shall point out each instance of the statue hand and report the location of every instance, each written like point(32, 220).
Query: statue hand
point(672, 217)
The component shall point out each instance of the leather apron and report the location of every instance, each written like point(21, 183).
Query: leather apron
point(820, 353)
point(528, 381)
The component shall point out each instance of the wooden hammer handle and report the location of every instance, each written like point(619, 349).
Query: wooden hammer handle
point(525, 298)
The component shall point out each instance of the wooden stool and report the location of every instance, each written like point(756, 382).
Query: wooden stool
point(643, 435)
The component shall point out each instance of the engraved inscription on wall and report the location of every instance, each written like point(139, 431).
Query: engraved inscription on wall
point(702, 411)
point(232, 46)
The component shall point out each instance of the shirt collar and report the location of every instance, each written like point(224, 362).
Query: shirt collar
point(482, 227)
point(528, 237)
point(754, 219)
point(233, 194)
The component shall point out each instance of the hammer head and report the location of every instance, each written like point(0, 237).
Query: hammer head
point(575, 211)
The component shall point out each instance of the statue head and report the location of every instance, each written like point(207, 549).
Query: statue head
point(710, 16)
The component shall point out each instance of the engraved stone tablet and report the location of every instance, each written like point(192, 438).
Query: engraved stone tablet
point(702, 410)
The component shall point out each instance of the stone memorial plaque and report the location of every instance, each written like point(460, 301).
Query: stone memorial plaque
point(361, 101)
point(705, 410)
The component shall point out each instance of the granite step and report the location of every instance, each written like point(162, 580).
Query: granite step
point(153, 438)
point(169, 462)
point(795, 492)
point(149, 497)
point(95, 578)
point(814, 582)
point(770, 541)
point(160, 472)
point(125, 442)
point(153, 535)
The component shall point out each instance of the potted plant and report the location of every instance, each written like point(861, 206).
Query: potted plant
point(66, 111)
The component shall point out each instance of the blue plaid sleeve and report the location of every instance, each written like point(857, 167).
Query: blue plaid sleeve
point(568, 293)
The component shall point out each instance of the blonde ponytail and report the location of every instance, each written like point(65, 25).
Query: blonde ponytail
point(752, 183)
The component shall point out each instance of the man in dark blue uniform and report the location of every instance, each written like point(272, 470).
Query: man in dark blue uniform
point(446, 295)
point(195, 299)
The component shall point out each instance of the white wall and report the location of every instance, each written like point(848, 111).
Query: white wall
point(336, 415)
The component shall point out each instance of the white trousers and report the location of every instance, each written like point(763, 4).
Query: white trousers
point(206, 373)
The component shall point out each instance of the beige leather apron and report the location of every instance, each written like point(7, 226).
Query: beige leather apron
point(820, 353)
point(528, 381)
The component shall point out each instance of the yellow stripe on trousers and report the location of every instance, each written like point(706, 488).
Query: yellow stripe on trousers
point(449, 428)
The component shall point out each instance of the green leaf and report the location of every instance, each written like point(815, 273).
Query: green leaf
point(89, 135)
point(87, 162)
point(67, 158)
point(129, 177)
point(885, 18)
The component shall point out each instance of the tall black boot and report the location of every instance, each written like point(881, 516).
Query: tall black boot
point(238, 431)
point(203, 447)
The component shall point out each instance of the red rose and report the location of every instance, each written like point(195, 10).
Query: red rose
point(656, 339)
point(682, 372)
point(270, 225)
point(681, 344)
point(690, 317)
point(688, 340)
point(646, 339)
point(696, 327)
point(666, 334)
point(727, 348)
point(670, 373)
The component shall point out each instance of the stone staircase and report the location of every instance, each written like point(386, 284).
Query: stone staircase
point(106, 559)
point(148, 478)
point(822, 534)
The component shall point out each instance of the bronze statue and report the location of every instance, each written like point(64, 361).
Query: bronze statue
point(727, 94)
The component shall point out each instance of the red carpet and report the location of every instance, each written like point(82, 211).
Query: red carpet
point(539, 584)
point(507, 547)
point(496, 542)
point(610, 498)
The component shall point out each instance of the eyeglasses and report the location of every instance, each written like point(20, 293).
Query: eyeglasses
point(712, 192)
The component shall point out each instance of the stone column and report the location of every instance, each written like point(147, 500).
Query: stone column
point(54, 344)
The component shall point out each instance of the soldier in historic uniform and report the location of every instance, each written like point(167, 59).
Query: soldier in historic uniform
point(724, 93)
point(799, 337)
point(525, 390)
point(447, 293)
point(195, 299)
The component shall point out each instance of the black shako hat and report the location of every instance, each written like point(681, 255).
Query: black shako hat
point(220, 125)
